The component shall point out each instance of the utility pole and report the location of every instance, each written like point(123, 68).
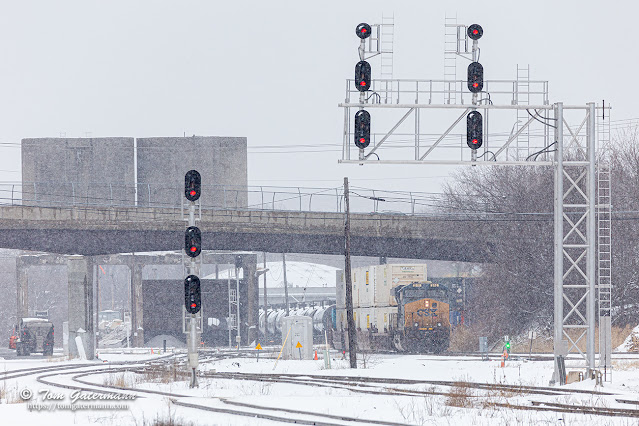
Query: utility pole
point(350, 322)
point(285, 282)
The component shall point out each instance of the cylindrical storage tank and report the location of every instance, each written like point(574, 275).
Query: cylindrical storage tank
point(272, 316)
point(318, 320)
point(262, 321)
point(278, 320)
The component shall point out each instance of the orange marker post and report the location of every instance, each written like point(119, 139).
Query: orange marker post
point(299, 347)
point(258, 348)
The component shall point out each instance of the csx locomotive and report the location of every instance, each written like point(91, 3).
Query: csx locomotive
point(423, 318)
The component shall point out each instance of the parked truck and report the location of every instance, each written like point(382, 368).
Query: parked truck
point(33, 335)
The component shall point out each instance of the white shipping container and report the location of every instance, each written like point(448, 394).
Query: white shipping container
point(366, 287)
point(372, 285)
point(382, 317)
point(372, 288)
point(382, 295)
point(363, 318)
point(408, 273)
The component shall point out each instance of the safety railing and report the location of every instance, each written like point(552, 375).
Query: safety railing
point(405, 91)
point(258, 198)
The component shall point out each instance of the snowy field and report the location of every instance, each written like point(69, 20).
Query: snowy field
point(467, 407)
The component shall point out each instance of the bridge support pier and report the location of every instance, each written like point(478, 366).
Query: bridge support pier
point(80, 275)
point(22, 292)
point(137, 330)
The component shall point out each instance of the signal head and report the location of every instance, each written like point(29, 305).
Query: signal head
point(474, 130)
point(475, 77)
point(362, 129)
point(192, 294)
point(363, 30)
point(193, 241)
point(475, 32)
point(363, 76)
point(192, 185)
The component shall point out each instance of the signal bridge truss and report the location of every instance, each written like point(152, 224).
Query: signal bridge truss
point(550, 134)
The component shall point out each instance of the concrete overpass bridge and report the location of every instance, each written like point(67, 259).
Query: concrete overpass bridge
point(90, 231)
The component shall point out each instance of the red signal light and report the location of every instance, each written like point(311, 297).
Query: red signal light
point(474, 130)
point(475, 84)
point(363, 30)
point(362, 76)
point(192, 294)
point(192, 185)
point(362, 129)
point(475, 31)
point(193, 249)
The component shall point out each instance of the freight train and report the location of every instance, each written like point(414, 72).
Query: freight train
point(395, 307)
point(418, 323)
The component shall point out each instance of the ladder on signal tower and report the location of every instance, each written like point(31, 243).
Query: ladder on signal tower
point(387, 35)
point(604, 249)
point(233, 306)
point(451, 50)
point(522, 97)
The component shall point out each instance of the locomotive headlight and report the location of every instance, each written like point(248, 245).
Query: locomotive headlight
point(439, 324)
point(416, 325)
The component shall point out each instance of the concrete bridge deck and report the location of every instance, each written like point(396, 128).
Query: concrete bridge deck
point(94, 231)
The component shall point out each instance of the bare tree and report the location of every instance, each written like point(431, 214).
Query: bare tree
point(515, 207)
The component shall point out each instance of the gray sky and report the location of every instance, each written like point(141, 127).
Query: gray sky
point(275, 71)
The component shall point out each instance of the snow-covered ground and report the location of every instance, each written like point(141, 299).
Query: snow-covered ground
point(627, 344)
point(430, 409)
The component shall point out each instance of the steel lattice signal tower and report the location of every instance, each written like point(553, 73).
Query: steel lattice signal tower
point(548, 138)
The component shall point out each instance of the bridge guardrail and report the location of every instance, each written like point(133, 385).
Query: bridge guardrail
point(217, 197)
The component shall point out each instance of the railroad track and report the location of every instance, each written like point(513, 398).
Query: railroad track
point(80, 371)
point(23, 372)
point(319, 380)
point(240, 408)
point(367, 385)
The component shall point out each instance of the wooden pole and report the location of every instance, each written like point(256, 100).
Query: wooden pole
point(350, 322)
